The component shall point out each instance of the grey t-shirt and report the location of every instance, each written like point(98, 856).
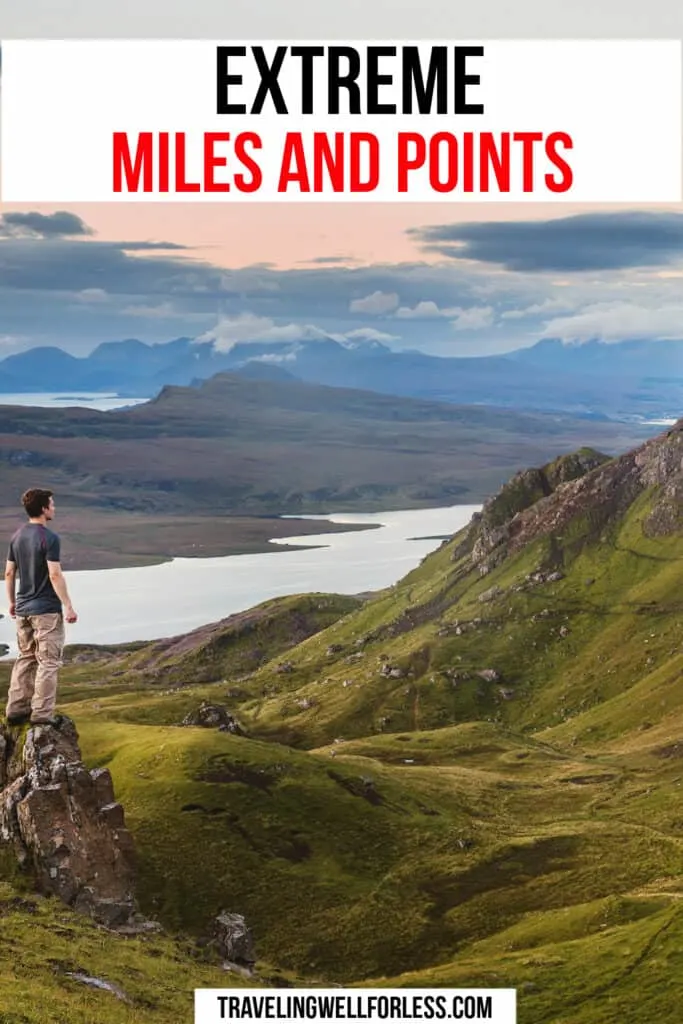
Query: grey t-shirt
point(31, 548)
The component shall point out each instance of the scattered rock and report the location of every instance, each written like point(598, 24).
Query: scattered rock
point(489, 675)
point(537, 578)
point(335, 649)
point(234, 939)
point(285, 667)
point(213, 716)
point(391, 671)
point(456, 676)
point(490, 594)
point(305, 703)
point(244, 972)
point(107, 986)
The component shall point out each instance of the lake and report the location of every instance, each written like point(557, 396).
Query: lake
point(80, 399)
point(149, 602)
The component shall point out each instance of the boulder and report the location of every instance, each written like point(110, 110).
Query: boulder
point(234, 939)
point(64, 823)
point(391, 671)
point(213, 716)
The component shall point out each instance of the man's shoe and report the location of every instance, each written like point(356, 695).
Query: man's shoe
point(18, 719)
point(54, 721)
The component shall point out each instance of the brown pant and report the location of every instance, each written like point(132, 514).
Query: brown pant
point(33, 686)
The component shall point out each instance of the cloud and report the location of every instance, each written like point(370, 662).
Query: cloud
point(80, 290)
point(592, 241)
point(275, 358)
point(425, 310)
point(248, 328)
point(375, 304)
point(61, 224)
point(163, 311)
point(151, 246)
point(618, 321)
point(245, 328)
point(325, 260)
point(92, 295)
point(473, 319)
point(369, 334)
point(537, 309)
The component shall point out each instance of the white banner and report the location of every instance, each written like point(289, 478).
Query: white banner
point(244, 121)
point(297, 1005)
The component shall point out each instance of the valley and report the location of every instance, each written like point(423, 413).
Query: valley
point(144, 484)
point(471, 778)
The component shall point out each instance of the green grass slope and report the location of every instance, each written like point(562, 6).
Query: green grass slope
point(47, 951)
point(575, 617)
point(473, 778)
point(232, 647)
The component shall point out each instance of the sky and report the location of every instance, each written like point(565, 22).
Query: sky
point(452, 280)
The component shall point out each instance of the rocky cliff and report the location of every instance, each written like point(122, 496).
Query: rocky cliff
point(585, 486)
point(64, 824)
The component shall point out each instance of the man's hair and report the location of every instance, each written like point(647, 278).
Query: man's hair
point(34, 501)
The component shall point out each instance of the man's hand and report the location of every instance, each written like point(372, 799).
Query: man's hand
point(12, 610)
point(70, 614)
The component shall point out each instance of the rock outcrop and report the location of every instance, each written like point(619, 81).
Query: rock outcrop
point(542, 503)
point(64, 823)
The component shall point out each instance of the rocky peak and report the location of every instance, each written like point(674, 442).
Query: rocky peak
point(64, 823)
point(527, 487)
point(543, 502)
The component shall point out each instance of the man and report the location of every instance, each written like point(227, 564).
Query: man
point(40, 608)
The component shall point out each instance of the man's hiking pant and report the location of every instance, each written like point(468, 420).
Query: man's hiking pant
point(33, 686)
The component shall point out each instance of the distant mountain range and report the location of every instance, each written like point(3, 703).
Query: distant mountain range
point(632, 379)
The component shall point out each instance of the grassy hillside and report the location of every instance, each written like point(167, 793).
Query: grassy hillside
point(472, 778)
point(232, 647)
point(48, 951)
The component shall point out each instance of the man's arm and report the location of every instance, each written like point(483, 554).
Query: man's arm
point(59, 583)
point(11, 586)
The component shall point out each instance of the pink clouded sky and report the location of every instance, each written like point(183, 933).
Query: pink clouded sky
point(289, 235)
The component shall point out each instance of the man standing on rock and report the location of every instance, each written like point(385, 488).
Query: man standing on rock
point(40, 608)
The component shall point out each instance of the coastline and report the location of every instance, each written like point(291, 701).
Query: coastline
point(98, 539)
